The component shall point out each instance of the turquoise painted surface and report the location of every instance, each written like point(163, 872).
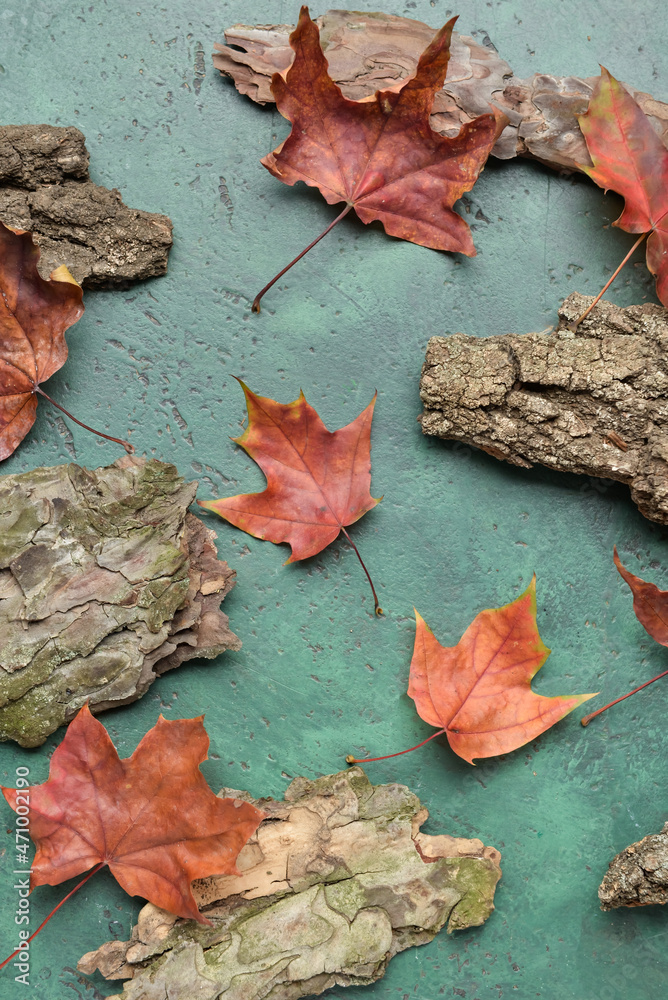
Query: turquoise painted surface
point(318, 676)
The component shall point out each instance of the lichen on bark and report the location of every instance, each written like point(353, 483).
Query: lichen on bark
point(45, 189)
point(593, 402)
point(337, 880)
point(106, 581)
point(638, 875)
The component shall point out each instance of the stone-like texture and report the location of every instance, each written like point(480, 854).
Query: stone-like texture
point(44, 188)
point(594, 402)
point(638, 876)
point(369, 52)
point(105, 582)
point(337, 880)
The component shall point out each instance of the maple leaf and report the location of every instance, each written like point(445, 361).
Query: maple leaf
point(629, 157)
point(34, 315)
point(651, 609)
point(317, 480)
point(479, 692)
point(379, 155)
point(151, 817)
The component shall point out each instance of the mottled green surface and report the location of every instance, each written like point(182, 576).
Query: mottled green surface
point(318, 676)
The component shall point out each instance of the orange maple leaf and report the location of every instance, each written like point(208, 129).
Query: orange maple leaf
point(317, 480)
point(479, 692)
point(380, 155)
point(151, 817)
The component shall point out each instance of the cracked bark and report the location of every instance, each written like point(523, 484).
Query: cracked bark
point(336, 881)
point(45, 189)
point(638, 876)
point(593, 403)
point(106, 581)
point(369, 52)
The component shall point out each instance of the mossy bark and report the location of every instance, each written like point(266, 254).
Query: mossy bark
point(106, 581)
point(337, 880)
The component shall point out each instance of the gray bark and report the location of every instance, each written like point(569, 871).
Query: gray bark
point(594, 402)
point(369, 52)
point(44, 188)
point(105, 582)
point(638, 876)
point(337, 880)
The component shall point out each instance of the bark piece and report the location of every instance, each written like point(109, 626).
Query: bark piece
point(44, 188)
point(106, 581)
point(594, 403)
point(369, 52)
point(638, 876)
point(336, 881)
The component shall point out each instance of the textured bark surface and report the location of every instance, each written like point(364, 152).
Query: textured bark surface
point(369, 52)
point(105, 582)
point(638, 876)
point(336, 881)
point(44, 188)
point(595, 402)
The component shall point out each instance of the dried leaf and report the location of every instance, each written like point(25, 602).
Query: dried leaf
point(630, 158)
point(479, 692)
point(34, 315)
point(380, 155)
point(336, 881)
point(151, 817)
point(105, 582)
point(317, 480)
point(649, 603)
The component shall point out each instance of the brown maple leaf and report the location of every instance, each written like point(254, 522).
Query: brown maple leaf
point(151, 817)
point(34, 315)
point(479, 692)
point(317, 480)
point(380, 155)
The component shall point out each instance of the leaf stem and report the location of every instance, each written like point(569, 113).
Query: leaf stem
point(54, 910)
point(377, 607)
point(353, 760)
point(256, 300)
point(587, 719)
point(126, 444)
point(573, 326)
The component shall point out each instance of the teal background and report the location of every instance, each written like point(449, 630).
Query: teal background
point(318, 676)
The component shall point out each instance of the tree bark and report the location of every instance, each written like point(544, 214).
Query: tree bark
point(106, 581)
point(369, 52)
point(638, 876)
point(337, 880)
point(594, 403)
point(45, 189)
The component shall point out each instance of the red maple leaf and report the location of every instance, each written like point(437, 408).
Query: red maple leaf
point(479, 692)
point(151, 817)
point(317, 480)
point(380, 155)
point(651, 609)
point(34, 315)
point(629, 157)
